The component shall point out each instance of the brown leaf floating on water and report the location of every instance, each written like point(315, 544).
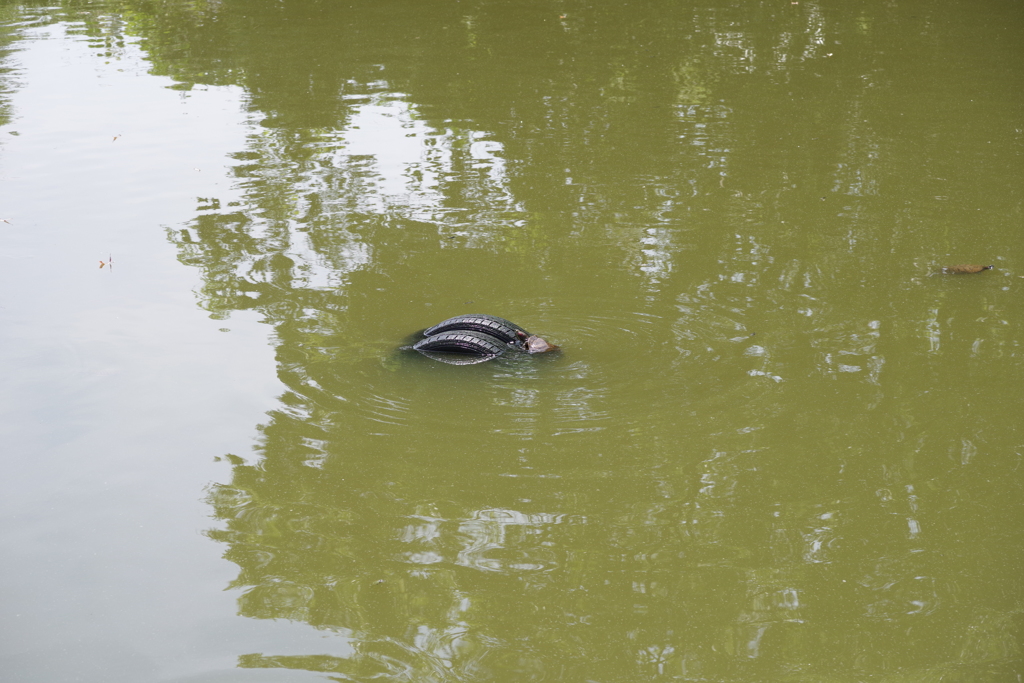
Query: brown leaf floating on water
point(965, 269)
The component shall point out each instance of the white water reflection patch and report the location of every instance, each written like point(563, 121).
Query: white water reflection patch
point(410, 161)
point(499, 540)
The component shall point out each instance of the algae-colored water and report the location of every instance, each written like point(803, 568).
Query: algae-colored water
point(776, 444)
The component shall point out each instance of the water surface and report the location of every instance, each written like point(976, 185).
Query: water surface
point(777, 445)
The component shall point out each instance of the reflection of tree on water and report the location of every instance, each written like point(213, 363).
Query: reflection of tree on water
point(480, 553)
point(426, 581)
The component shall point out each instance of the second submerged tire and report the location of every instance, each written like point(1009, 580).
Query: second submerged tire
point(463, 341)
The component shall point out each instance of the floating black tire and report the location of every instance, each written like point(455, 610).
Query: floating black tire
point(463, 341)
point(494, 326)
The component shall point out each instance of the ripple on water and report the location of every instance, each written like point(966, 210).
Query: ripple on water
point(676, 366)
point(390, 410)
point(504, 540)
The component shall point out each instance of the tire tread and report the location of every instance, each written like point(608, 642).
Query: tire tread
point(505, 330)
point(463, 341)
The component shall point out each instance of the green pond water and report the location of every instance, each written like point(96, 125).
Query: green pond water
point(778, 444)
